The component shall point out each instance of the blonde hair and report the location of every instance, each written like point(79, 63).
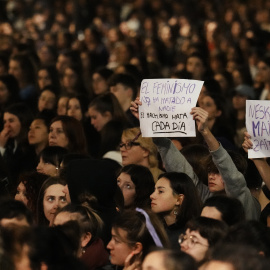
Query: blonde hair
point(145, 142)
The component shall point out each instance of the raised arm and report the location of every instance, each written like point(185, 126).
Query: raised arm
point(234, 181)
point(260, 163)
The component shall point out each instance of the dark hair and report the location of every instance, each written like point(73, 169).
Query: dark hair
point(144, 183)
point(25, 116)
point(195, 154)
point(181, 183)
point(32, 182)
point(127, 80)
point(53, 155)
point(104, 72)
point(134, 223)
point(41, 219)
point(54, 76)
point(12, 87)
point(232, 210)
point(176, 259)
point(83, 100)
point(109, 103)
point(87, 218)
point(211, 229)
point(239, 256)
point(27, 65)
point(11, 208)
point(251, 233)
point(46, 116)
point(74, 131)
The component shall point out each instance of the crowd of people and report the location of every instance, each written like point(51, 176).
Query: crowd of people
point(80, 187)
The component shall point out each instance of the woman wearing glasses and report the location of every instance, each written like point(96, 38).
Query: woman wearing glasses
point(201, 234)
point(139, 150)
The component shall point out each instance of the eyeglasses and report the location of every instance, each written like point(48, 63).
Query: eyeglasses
point(128, 145)
point(191, 241)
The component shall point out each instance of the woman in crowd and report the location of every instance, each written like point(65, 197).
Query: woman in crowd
point(134, 233)
point(100, 80)
point(136, 149)
point(109, 120)
point(28, 190)
point(48, 75)
point(201, 234)
point(67, 132)
point(47, 99)
point(14, 147)
point(50, 160)
point(77, 107)
point(137, 184)
point(9, 92)
point(50, 199)
point(93, 252)
point(38, 134)
point(176, 200)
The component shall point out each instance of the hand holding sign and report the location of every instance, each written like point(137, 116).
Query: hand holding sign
point(166, 106)
point(258, 127)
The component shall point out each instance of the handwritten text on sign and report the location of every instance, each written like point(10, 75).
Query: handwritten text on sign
point(258, 127)
point(166, 106)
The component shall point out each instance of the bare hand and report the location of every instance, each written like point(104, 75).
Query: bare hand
point(201, 118)
point(4, 136)
point(247, 144)
point(135, 107)
point(129, 265)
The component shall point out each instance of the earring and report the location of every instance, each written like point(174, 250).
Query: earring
point(175, 212)
point(83, 250)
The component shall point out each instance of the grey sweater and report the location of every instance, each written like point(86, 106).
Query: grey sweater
point(234, 181)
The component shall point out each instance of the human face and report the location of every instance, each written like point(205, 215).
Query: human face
point(128, 188)
point(239, 102)
point(13, 124)
point(62, 106)
point(99, 120)
point(44, 78)
point(62, 63)
point(4, 94)
point(118, 246)
point(208, 104)
point(15, 70)
point(163, 199)
point(54, 198)
point(21, 194)
point(121, 92)
point(211, 212)
point(74, 109)
point(135, 155)
point(264, 71)
point(195, 67)
point(47, 168)
point(215, 182)
point(38, 132)
point(70, 78)
point(57, 136)
point(213, 265)
point(47, 100)
point(100, 85)
point(199, 249)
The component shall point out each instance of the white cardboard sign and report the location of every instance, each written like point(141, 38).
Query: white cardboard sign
point(166, 106)
point(258, 127)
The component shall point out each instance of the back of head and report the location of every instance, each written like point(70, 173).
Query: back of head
point(239, 256)
point(232, 210)
point(53, 155)
point(251, 233)
point(15, 212)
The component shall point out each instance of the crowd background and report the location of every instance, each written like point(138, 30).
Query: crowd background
point(69, 71)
